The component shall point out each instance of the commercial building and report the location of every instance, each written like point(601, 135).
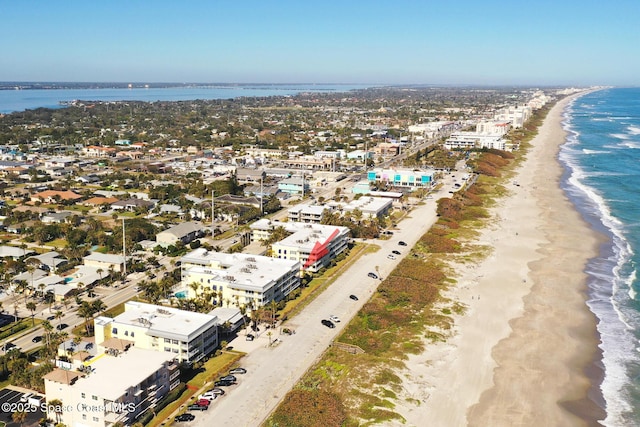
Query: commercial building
point(401, 178)
point(185, 335)
point(240, 279)
point(117, 387)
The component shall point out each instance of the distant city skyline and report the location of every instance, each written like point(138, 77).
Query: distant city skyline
point(493, 42)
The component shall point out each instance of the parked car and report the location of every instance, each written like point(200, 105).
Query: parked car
point(185, 417)
point(217, 391)
point(237, 371)
point(372, 275)
point(229, 378)
point(353, 297)
point(223, 383)
point(37, 338)
point(395, 252)
point(207, 396)
point(197, 407)
point(250, 337)
point(203, 402)
point(402, 243)
point(328, 323)
point(334, 319)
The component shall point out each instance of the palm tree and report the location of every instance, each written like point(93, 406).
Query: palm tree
point(56, 404)
point(99, 306)
point(31, 306)
point(19, 417)
point(59, 315)
point(85, 310)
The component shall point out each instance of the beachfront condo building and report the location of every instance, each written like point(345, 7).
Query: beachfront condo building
point(313, 246)
point(117, 387)
point(402, 178)
point(238, 279)
point(185, 335)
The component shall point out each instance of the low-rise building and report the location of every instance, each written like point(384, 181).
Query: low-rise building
point(184, 232)
point(402, 178)
point(186, 335)
point(106, 262)
point(115, 387)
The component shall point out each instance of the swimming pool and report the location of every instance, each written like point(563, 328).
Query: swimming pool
point(181, 294)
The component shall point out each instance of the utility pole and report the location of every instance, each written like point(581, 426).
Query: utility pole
point(261, 207)
point(124, 254)
point(213, 226)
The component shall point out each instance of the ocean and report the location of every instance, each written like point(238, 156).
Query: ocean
point(602, 160)
point(20, 100)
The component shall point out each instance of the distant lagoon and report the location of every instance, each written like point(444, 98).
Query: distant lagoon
point(28, 99)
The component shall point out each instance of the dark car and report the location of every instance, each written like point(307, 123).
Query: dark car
point(61, 326)
point(328, 323)
point(50, 318)
point(223, 383)
point(197, 408)
point(395, 252)
point(8, 346)
point(401, 243)
point(373, 275)
point(237, 371)
point(185, 417)
point(353, 297)
point(37, 338)
point(228, 378)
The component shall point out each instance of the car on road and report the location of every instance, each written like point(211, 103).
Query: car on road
point(250, 337)
point(50, 318)
point(395, 252)
point(328, 323)
point(353, 297)
point(373, 275)
point(334, 319)
point(402, 243)
point(185, 417)
point(61, 326)
point(207, 396)
point(196, 407)
point(223, 383)
point(229, 378)
point(8, 346)
point(391, 256)
point(237, 371)
point(37, 338)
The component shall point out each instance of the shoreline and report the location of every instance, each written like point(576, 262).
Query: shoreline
point(526, 351)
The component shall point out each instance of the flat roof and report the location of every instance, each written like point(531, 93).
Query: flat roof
point(166, 322)
point(111, 376)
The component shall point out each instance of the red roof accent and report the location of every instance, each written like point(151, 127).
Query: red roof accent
point(320, 250)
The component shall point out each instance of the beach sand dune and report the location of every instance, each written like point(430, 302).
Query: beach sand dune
point(519, 355)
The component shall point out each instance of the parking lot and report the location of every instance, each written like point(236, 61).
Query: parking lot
point(10, 401)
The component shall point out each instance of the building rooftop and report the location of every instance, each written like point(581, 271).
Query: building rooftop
point(112, 376)
point(166, 322)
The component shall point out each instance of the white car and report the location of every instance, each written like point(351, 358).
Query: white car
point(334, 319)
point(210, 395)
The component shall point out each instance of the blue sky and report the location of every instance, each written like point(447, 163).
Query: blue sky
point(539, 42)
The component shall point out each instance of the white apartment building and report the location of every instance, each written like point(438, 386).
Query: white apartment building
point(115, 388)
point(184, 335)
point(473, 140)
point(313, 246)
point(241, 279)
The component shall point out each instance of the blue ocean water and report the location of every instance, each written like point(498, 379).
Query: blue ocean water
point(20, 100)
point(602, 159)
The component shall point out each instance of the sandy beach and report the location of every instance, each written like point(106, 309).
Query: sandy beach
point(523, 353)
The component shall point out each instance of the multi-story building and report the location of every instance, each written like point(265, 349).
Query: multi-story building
point(312, 245)
point(115, 387)
point(241, 279)
point(473, 140)
point(185, 335)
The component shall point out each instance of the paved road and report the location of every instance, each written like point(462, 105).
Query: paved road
point(273, 370)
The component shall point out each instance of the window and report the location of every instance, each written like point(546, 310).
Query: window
point(114, 331)
point(94, 397)
point(96, 419)
point(132, 334)
point(167, 349)
point(83, 395)
point(84, 416)
point(167, 340)
point(126, 333)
